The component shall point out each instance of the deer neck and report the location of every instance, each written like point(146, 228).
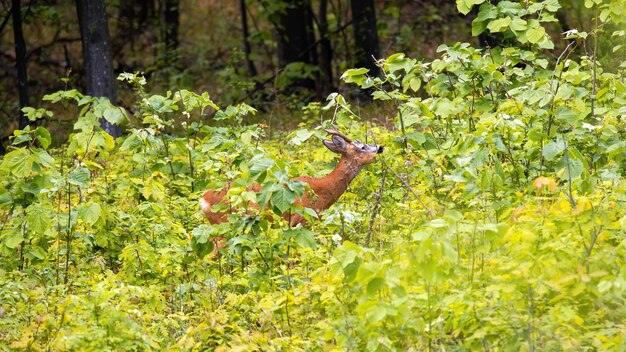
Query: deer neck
point(330, 187)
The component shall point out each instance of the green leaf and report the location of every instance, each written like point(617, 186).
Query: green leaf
point(260, 164)
point(39, 217)
point(518, 24)
point(114, 114)
point(132, 142)
point(415, 84)
point(499, 25)
point(35, 114)
point(200, 240)
point(43, 137)
point(21, 136)
point(305, 237)
point(374, 285)
point(13, 239)
point(375, 314)
point(355, 75)
point(300, 137)
point(90, 213)
point(552, 149)
point(36, 252)
point(453, 215)
point(19, 162)
point(42, 158)
point(355, 72)
point(535, 34)
point(282, 199)
point(569, 168)
point(465, 6)
point(478, 27)
point(80, 177)
point(5, 198)
point(486, 12)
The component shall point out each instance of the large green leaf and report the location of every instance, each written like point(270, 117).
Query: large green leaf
point(282, 199)
point(43, 137)
point(19, 162)
point(260, 164)
point(80, 177)
point(13, 239)
point(535, 34)
point(90, 213)
point(5, 198)
point(304, 237)
point(39, 217)
point(200, 240)
point(114, 114)
point(552, 149)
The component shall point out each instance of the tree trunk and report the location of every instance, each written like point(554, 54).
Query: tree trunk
point(326, 52)
point(296, 39)
point(246, 35)
point(365, 35)
point(20, 61)
point(171, 20)
point(94, 32)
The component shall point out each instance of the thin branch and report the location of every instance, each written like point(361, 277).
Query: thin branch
point(376, 209)
point(6, 20)
point(269, 318)
point(405, 184)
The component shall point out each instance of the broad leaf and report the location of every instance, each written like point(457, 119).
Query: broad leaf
point(39, 217)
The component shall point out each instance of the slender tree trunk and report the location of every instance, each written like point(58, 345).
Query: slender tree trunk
point(171, 20)
point(97, 60)
point(326, 51)
point(296, 41)
point(246, 35)
point(20, 56)
point(365, 35)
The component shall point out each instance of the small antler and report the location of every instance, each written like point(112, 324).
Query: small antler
point(337, 133)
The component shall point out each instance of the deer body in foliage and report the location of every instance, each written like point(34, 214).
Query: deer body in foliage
point(327, 189)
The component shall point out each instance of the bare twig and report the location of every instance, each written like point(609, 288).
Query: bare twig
point(269, 318)
point(405, 184)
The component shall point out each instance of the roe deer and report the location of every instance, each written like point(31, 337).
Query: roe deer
point(354, 155)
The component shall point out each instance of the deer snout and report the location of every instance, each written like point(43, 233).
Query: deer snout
point(380, 149)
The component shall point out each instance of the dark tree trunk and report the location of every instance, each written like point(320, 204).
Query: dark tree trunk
point(296, 39)
point(365, 35)
point(246, 41)
point(20, 56)
point(94, 31)
point(326, 52)
point(171, 19)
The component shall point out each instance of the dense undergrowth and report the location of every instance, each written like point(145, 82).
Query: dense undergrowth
point(493, 220)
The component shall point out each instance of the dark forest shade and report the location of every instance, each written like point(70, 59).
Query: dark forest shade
point(20, 60)
point(171, 19)
point(296, 38)
point(365, 35)
point(94, 31)
point(326, 52)
point(243, 13)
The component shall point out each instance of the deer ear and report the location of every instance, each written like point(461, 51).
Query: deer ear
point(337, 145)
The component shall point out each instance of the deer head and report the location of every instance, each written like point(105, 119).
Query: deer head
point(356, 153)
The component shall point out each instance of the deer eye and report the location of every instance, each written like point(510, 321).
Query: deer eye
point(363, 147)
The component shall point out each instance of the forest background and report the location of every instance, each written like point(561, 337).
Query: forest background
point(267, 53)
point(493, 220)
